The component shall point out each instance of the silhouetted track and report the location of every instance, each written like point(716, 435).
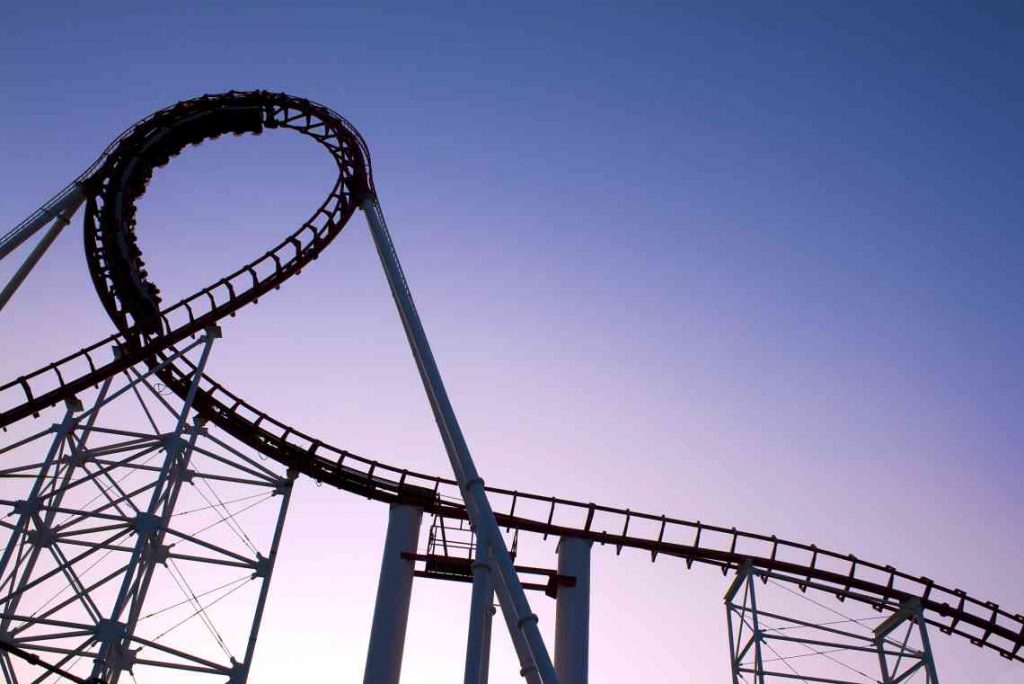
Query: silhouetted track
point(148, 331)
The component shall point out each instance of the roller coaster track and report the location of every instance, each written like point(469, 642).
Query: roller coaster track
point(148, 331)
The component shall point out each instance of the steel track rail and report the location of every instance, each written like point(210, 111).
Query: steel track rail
point(147, 332)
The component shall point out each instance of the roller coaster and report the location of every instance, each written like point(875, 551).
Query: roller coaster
point(166, 347)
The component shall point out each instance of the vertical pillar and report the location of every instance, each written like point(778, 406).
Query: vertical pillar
point(572, 612)
point(240, 675)
point(734, 665)
point(60, 431)
point(756, 625)
point(735, 647)
point(394, 590)
point(926, 646)
point(481, 614)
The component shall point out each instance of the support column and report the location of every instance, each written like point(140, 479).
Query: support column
point(394, 591)
point(481, 614)
point(572, 612)
point(54, 478)
point(926, 646)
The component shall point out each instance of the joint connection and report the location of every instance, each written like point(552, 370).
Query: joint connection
point(147, 524)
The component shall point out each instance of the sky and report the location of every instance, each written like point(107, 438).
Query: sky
point(756, 264)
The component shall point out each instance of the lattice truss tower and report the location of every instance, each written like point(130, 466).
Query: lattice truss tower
point(139, 541)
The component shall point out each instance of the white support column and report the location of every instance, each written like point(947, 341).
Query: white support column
point(481, 615)
point(926, 646)
point(394, 591)
point(265, 570)
point(572, 612)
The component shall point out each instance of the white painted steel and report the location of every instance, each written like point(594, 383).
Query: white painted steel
point(394, 592)
point(481, 615)
point(520, 618)
point(59, 221)
point(572, 612)
point(64, 203)
point(285, 491)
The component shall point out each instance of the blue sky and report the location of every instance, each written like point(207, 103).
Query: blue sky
point(763, 257)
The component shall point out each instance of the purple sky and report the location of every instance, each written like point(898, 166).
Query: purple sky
point(755, 266)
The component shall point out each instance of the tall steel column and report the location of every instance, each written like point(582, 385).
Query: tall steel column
point(481, 616)
point(62, 205)
point(572, 612)
point(394, 591)
point(521, 621)
point(265, 569)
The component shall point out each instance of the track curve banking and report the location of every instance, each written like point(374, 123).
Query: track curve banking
point(147, 332)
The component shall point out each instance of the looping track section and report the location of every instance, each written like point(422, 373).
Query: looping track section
point(147, 331)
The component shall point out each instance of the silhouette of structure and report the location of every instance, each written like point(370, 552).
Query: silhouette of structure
point(153, 488)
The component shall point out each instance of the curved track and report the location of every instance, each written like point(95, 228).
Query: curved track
point(148, 331)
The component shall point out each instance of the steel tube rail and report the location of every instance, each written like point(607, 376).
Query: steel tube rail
point(285, 492)
point(471, 485)
point(109, 183)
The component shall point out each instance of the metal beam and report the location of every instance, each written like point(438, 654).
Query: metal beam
point(572, 612)
point(394, 592)
point(481, 616)
point(519, 617)
point(33, 258)
point(65, 203)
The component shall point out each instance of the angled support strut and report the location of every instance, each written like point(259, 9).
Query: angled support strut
point(533, 655)
point(58, 212)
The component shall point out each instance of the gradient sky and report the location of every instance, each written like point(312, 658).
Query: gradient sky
point(757, 264)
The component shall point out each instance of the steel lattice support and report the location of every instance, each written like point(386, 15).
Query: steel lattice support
point(898, 666)
point(134, 549)
point(788, 643)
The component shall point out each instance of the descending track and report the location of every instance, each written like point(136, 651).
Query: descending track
point(148, 331)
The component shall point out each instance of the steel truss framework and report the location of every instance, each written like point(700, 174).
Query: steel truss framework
point(138, 547)
point(147, 332)
point(792, 642)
